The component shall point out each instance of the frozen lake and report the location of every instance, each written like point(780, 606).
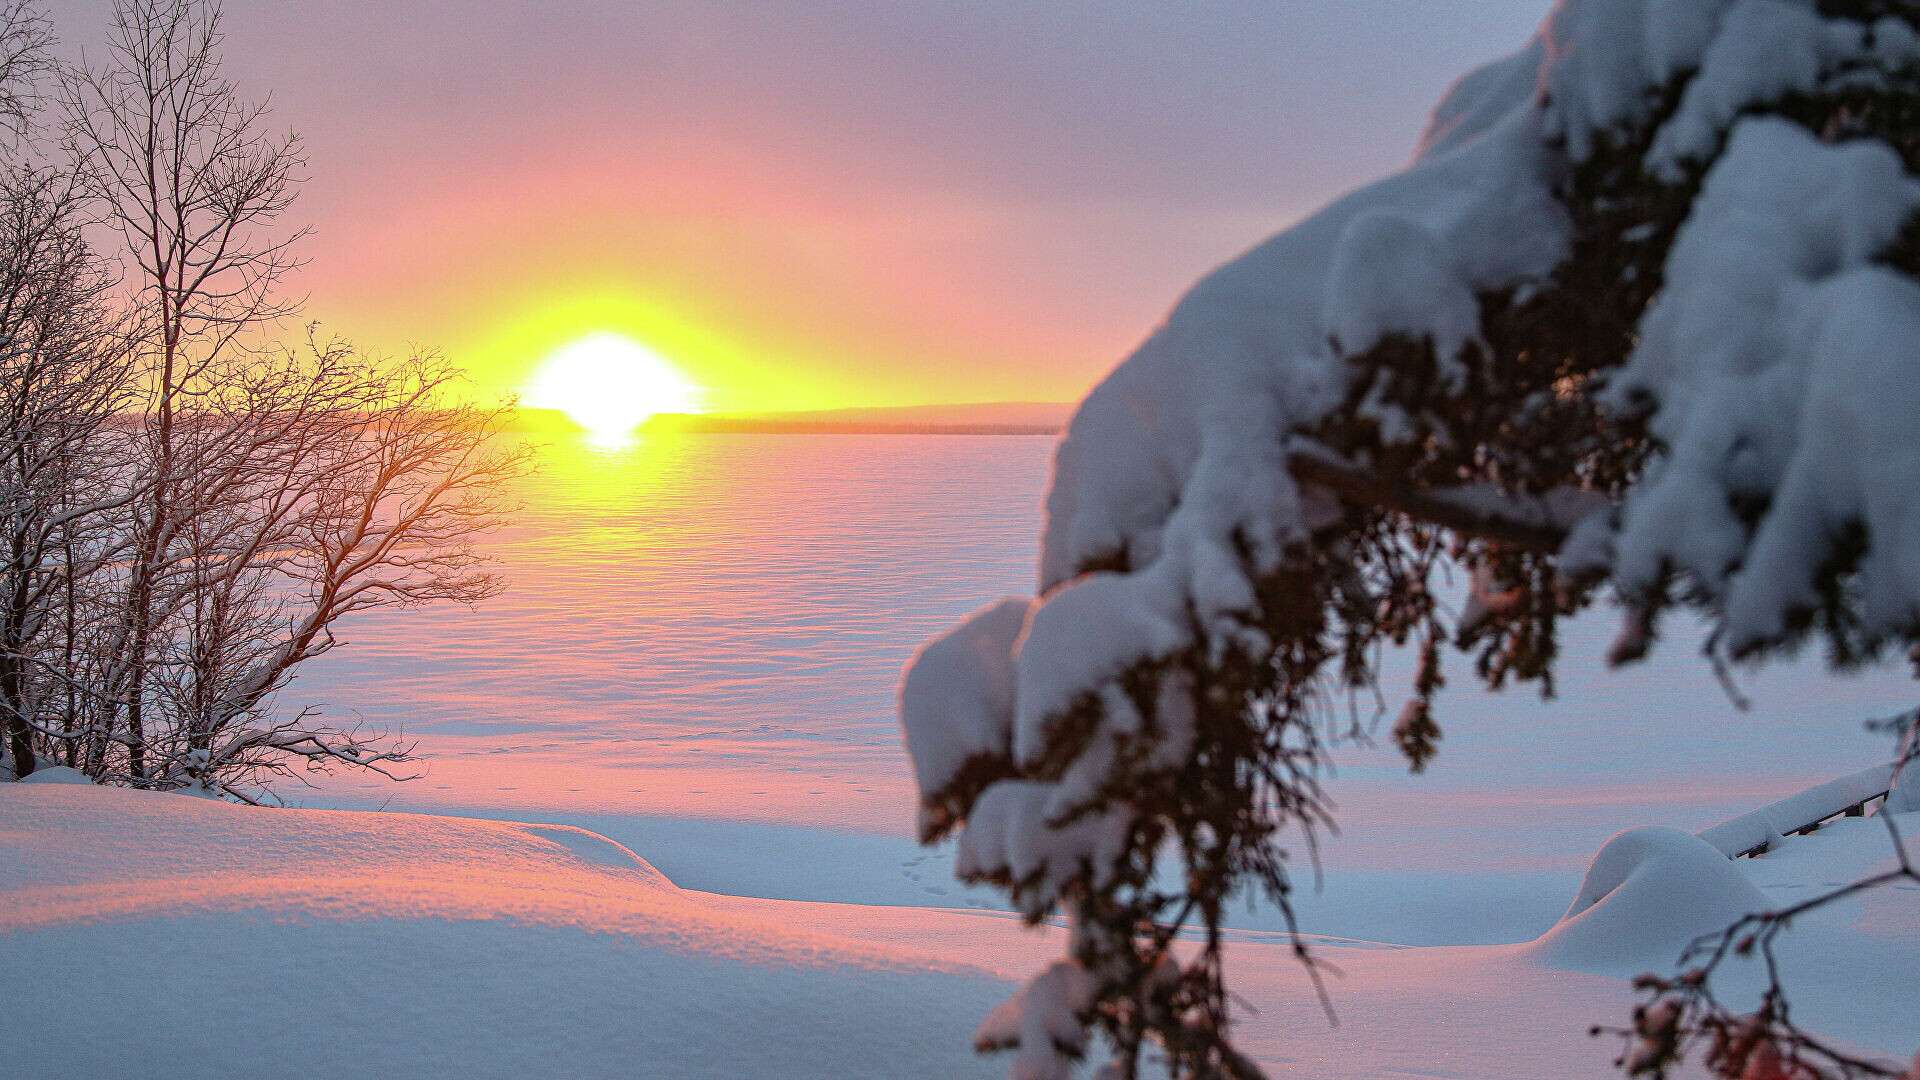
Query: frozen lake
point(697, 649)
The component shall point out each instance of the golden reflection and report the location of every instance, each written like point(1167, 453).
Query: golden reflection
point(588, 469)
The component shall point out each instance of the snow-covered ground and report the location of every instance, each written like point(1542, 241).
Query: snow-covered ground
point(160, 936)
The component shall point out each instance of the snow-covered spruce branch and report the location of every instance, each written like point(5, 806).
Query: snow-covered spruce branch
point(1539, 524)
point(1640, 314)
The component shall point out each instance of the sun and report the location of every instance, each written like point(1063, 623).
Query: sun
point(610, 385)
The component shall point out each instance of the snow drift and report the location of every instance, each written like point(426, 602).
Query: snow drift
point(228, 940)
point(1649, 893)
point(233, 940)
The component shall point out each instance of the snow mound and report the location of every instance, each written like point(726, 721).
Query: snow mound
point(597, 849)
point(1648, 893)
point(330, 944)
point(56, 774)
point(1767, 824)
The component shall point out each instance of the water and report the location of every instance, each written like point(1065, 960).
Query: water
point(700, 638)
point(703, 624)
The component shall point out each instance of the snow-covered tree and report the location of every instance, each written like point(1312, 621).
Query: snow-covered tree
point(190, 507)
point(1640, 321)
point(186, 175)
point(63, 379)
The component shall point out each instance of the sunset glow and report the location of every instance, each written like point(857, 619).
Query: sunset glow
point(610, 384)
point(898, 538)
point(745, 190)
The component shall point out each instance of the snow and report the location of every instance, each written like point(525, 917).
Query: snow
point(1392, 275)
point(1765, 48)
point(1164, 469)
point(1773, 356)
point(335, 944)
point(279, 942)
point(1013, 830)
point(1765, 825)
point(1903, 795)
point(56, 774)
point(1774, 371)
point(1602, 56)
point(1480, 99)
point(1042, 1020)
point(1776, 356)
point(1156, 467)
point(1649, 892)
point(1775, 360)
point(956, 704)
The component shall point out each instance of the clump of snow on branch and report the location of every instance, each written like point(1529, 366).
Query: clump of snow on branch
point(958, 700)
point(1765, 49)
point(1042, 1020)
point(1778, 356)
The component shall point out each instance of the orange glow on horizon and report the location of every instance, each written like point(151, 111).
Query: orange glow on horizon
point(785, 309)
point(733, 370)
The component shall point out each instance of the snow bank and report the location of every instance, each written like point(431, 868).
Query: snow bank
point(1766, 825)
point(242, 941)
point(1648, 893)
point(331, 944)
point(56, 774)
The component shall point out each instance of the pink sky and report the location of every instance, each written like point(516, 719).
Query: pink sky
point(822, 204)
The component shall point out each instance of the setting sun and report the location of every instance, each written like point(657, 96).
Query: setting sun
point(610, 385)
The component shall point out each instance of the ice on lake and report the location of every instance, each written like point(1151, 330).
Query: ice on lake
point(698, 646)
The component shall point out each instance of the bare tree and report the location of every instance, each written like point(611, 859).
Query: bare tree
point(376, 479)
point(60, 370)
point(62, 380)
point(195, 187)
point(264, 493)
point(26, 60)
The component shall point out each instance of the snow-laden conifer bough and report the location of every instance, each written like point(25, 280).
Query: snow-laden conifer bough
point(1640, 320)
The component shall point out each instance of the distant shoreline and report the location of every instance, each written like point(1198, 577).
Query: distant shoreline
point(993, 418)
point(717, 425)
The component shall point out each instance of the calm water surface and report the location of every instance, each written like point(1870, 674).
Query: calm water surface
point(708, 624)
point(700, 638)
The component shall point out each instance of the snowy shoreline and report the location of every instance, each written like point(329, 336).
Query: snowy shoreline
point(342, 943)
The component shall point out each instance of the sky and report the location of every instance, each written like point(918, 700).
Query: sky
point(823, 204)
